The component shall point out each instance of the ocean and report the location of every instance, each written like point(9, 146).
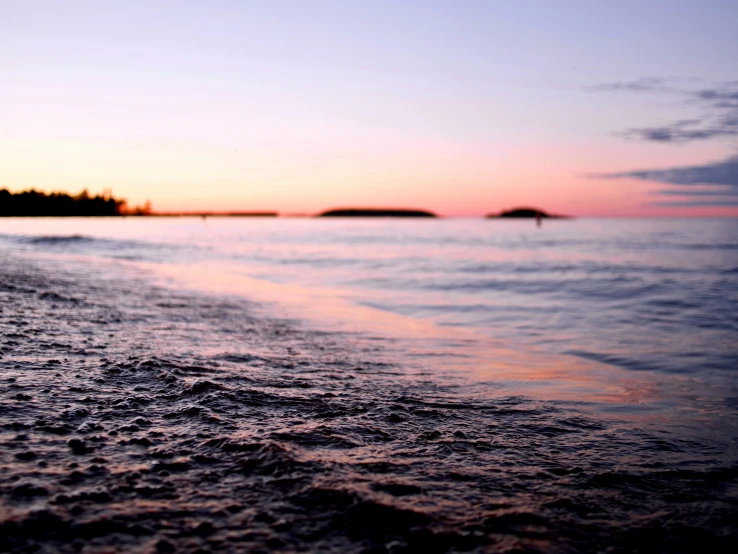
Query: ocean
point(581, 375)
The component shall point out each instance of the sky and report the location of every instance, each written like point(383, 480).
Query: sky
point(463, 107)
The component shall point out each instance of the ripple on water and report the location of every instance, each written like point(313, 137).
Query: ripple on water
point(190, 433)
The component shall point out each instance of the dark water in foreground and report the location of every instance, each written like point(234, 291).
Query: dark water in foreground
point(141, 417)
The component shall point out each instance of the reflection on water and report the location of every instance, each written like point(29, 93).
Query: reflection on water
point(458, 386)
point(143, 418)
point(612, 310)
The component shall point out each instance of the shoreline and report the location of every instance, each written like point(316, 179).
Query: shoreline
point(139, 418)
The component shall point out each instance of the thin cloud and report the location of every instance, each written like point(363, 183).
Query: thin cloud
point(710, 192)
point(645, 84)
point(706, 185)
point(699, 204)
point(723, 173)
point(719, 102)
point(717, 181)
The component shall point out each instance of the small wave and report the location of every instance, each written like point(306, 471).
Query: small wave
point(715, 246)
point(113, 248)
point(58, 239)
point(620, 361)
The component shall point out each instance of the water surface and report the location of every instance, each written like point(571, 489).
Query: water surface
point(364, 385)
point(653, 300)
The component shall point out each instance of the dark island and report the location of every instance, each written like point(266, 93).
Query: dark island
point(376, 212)
point(531, 213)
point(33, 203)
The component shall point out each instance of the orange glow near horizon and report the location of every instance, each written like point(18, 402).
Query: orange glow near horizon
point(450, 179)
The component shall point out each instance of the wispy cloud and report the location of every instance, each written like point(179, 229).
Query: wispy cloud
point(719, 102)
point(644, 84)
point(720, 173)
point(710, 184)
point(722, 192)
point(727, 203)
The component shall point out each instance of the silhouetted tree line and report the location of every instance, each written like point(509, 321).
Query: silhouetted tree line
point(35, 203)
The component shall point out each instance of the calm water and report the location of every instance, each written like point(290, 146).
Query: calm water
point(639, 295)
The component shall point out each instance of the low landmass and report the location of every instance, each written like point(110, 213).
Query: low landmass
point(33, 203)
point(376, 212)
point(526, 213)
point(217, 214)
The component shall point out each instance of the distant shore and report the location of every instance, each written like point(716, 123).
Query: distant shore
point(376, 212)
point(214, 214)
point(33, 203)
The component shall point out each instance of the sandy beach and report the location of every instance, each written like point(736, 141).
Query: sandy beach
point(141, 419)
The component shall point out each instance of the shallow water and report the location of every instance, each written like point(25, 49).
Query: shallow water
point(144, 418)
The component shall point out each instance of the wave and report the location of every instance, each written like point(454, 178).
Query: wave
point(623, 362)
point(96, 247)
point(57, 239)
point(715, 246)
point(674, 363)
point(127, 249)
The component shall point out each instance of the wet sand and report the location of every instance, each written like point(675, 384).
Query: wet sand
point(142, 419)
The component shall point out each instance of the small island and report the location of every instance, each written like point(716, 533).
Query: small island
point(530, 213)
point(375, 212)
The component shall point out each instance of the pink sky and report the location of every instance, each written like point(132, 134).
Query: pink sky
point(448, 178)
